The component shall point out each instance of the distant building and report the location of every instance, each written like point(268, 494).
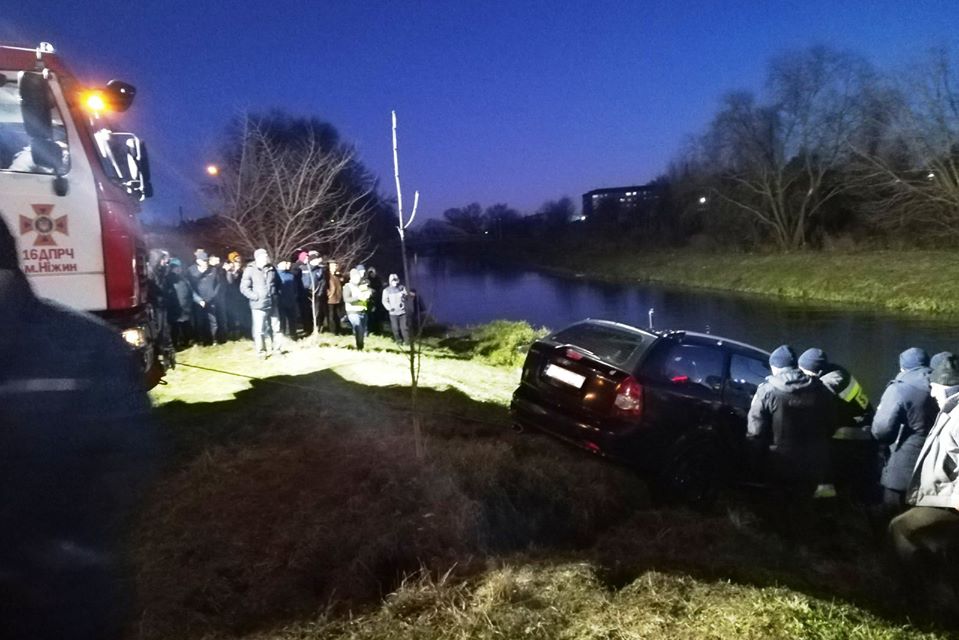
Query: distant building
point(620, 202)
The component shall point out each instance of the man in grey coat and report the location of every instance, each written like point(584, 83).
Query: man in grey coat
point(905, 414)
point(926, 537)
point(259, 286)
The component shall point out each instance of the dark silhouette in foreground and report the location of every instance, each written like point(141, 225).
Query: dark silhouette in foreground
point(75, 446)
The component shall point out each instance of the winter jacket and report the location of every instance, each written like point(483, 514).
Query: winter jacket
point(334, 288)
point(394, 300)
point(311, 279)
point(206, 285)
point(794, 414)
point(853, 408)
point(179, 299)
point(287, 287)
point(906, 412)
point(356, 297)
point(259, 286)
point(935, 480)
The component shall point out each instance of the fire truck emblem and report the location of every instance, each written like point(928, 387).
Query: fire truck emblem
point(44, 224)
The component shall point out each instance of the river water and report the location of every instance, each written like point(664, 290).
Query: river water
point(868, 342)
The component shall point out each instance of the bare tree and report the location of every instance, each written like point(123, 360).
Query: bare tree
point(283, 193)
point(402, 225)
point(913, 178)
point(778, 161)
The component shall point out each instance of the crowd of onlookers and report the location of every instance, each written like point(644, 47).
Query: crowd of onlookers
point(209, 300)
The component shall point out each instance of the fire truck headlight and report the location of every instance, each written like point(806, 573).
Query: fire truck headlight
point(136, 337)
point(94, 101)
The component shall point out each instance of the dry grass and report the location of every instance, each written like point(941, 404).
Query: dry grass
point(297, 499)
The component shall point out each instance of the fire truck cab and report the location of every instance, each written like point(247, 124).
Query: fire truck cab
point(70, 190)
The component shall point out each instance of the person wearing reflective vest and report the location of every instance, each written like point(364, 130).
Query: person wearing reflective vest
point(854, 469)
point(356, 296)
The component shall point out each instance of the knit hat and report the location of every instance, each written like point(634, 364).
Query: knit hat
point(783, 357)
point(913, 358)
point(8, 248)
point(302, 256)
point(813, 360)
point(936, 359)
point(233, 256)
point(201, 255)
point(260, 253)
point(946, 372)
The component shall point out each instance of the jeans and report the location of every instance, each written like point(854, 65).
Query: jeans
point(266, 323)
point(401, 328)
point(358, 320)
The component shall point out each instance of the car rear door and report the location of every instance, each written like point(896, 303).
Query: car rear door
point(685, 384)
point(746, 372)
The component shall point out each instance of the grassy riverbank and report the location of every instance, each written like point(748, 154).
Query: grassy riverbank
point(293, 505)
point(924, 282)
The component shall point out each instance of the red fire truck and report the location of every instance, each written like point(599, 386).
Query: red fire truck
point(71, 184)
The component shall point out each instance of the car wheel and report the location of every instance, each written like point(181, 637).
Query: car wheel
point(692, 476)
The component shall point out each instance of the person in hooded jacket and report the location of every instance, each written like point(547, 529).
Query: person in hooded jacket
point(790, 420)
point(356, 297)
point(259, 286)
point(179, 306)
point(905, 414)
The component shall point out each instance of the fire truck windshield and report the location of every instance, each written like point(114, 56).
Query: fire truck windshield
point(15, 143)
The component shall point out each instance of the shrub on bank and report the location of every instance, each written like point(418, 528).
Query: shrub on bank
point(500, 342)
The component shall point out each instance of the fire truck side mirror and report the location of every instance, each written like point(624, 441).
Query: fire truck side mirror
point(36, 106)
point(120, 95)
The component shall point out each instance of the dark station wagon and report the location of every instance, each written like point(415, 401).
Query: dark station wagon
point(671, 403)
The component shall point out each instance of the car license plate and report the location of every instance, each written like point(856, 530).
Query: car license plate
point(565, 375)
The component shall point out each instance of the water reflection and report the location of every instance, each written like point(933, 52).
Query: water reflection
point(466, 292)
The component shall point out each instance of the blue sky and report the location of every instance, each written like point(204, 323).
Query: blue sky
point(514, 102)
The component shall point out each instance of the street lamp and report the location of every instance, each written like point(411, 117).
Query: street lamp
point(702, 199)
point(212, 170)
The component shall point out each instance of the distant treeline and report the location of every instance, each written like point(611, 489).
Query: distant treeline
point(831, 152)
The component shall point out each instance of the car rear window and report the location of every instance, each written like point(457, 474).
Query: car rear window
point(619, 347)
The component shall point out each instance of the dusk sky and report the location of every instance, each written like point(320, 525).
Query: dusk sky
point(498, 102)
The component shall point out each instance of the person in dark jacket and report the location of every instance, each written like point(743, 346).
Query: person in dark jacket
point(313, 297)
point(237, 308)
point(791, 419)
point(158, 272)
point(906, 412)
point(854, 408)
point(179, 306)
point(853, 453)
point(205, 281)
point(287, 298)
point(259, 287)
point(336, 309)
point(77, 447)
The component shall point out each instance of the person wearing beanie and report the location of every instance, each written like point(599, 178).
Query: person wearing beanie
point(789, 424)
point(926, 537)
point(783, 357)
point(78, 447)
point(905, 414)
point(936, 359)
point(259, 286)
point(205, 281)
point(312, 292)
point(854, 408)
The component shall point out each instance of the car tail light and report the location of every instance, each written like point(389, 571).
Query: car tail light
point(629, 398)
